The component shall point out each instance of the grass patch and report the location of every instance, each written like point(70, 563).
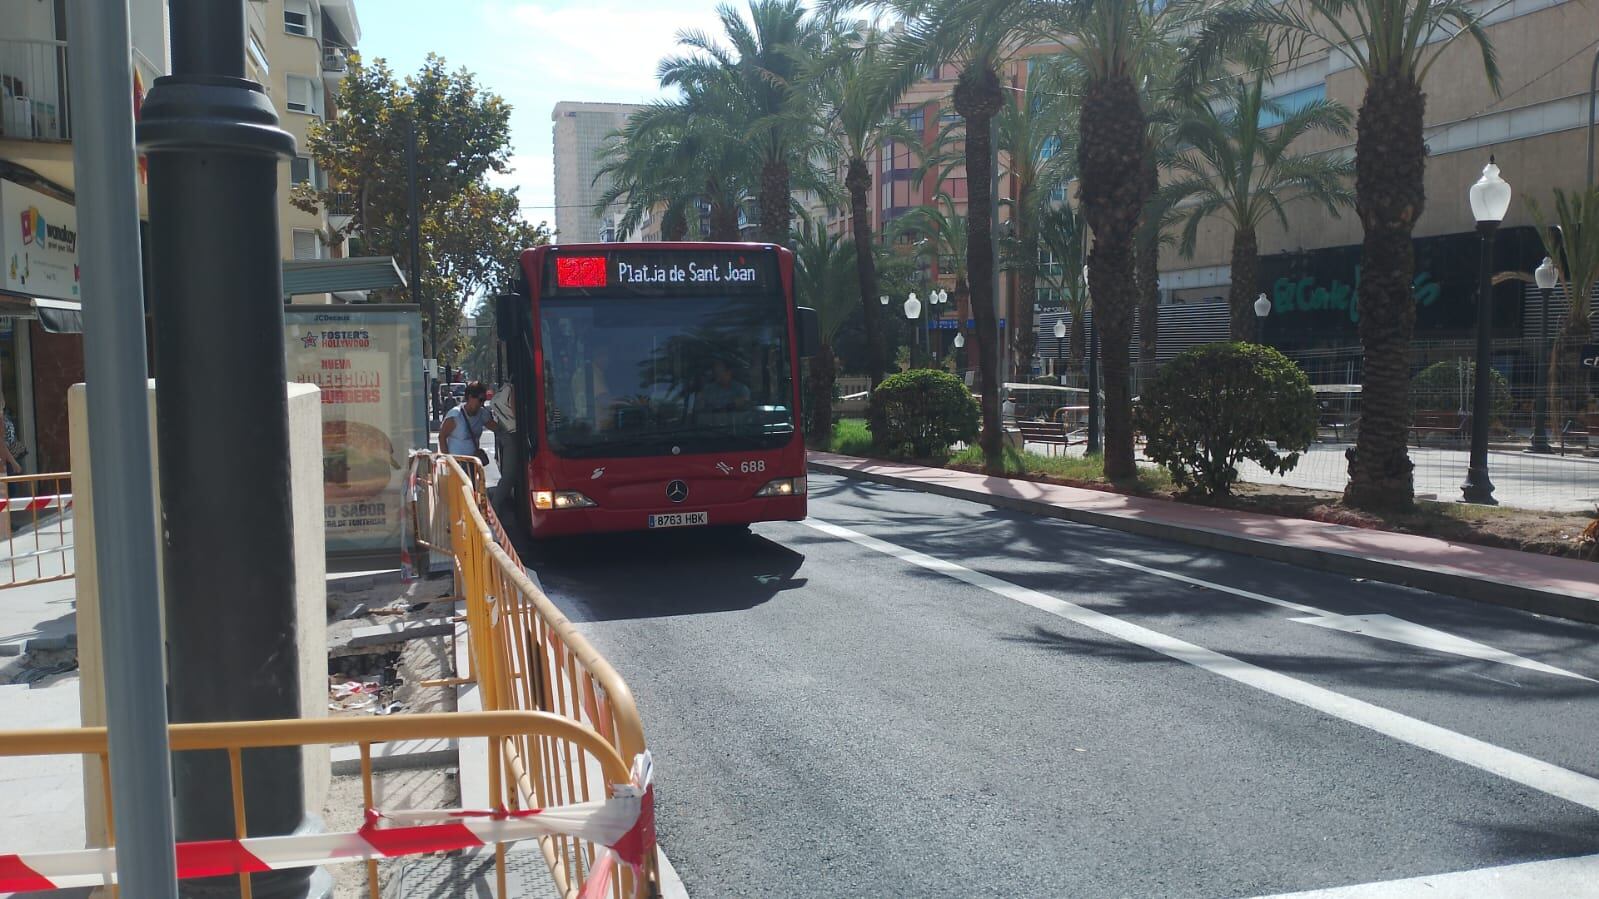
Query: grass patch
point(851, 437)
point(1080, 469)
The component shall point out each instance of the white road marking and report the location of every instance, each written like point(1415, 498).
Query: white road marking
point(1523, 769)
point(1387, 627)
point(1383, 627)
point(1573, 877)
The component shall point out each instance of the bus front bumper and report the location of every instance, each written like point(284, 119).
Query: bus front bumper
point(569, 522)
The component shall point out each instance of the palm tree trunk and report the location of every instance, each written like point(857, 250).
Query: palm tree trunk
point(674, 223)
point(977, 99)
point(1148, 279)
point(823, 374)
point(1390, 156)
point(724, 214)
point(859, 180)
point(1111, 160)
point(1026, 298)
point(774, 202)
point(1078, 347)
point(1148, 264)
point(1245, 278)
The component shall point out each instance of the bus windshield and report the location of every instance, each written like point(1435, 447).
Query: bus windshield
point(639, 376)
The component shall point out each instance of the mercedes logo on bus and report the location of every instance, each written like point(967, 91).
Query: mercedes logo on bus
point(676, 491)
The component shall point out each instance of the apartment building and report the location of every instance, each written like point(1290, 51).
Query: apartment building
point(41, 347)
point(579, 132)
point(299, 50)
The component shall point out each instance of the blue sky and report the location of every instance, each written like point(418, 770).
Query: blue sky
point(535, 53)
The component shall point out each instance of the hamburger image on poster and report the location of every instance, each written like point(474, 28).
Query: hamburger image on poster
point(358, 459)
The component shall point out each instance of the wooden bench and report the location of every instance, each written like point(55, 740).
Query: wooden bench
point(1580, 431)
point(1335, 422)
point(1049, 433)
point(1451, 424)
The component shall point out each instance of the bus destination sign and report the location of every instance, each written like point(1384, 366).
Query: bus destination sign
point(661, 273)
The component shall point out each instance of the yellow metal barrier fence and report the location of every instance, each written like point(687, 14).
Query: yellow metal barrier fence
point(502, 728)
point(36, 529)
point(526, 655)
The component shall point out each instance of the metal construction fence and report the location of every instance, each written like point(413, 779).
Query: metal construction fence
point(623, 820)
point(36, 529)
point(526, 655)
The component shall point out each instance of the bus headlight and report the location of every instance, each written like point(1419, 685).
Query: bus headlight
point(783, 487)
point(561, 499)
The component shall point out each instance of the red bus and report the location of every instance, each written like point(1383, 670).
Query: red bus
point(656, 386)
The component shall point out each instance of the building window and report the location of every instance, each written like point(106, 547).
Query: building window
point(306, 245)
point(916, 120)
point(300, 169)
point(297, 17)
point(258, 54)
point(949, 116)
point(305, 95)
point(1280, 107)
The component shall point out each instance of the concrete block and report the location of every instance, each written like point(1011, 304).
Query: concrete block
point(400, 631)
point(305, 446)
point(397, 755)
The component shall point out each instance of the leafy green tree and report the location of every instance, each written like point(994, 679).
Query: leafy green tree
point(858, 95)
point(921, 413)
point(1240, 168)
point(825, 280)
point(1393, 44)
point(462, 136)
point(760, 75)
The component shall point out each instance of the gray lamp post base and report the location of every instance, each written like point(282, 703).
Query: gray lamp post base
point(1478, 488)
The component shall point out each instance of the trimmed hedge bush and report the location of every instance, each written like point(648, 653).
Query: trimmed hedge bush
point(921, 413)
point(1216, 405)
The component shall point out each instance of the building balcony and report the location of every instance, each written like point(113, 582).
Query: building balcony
point(34, 98)
point(340, 208)
point(335, 62)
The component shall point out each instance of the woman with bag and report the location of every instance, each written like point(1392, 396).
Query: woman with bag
point(463, 425)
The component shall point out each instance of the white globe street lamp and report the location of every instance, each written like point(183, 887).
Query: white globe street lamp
point(883, 299)
point(1547, 277)
point(1262, 306)
point(1490, 199)
point(960, 340)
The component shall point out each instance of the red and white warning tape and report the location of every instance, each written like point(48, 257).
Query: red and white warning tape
point(625, 824)
point(39, 503)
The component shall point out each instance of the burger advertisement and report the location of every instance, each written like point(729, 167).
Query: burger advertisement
point(363, 360)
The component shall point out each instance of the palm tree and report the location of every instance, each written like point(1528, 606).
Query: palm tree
point(858, 98)
point(824, 279)
point(1240, 169)
point(1393, 44)
point(1115, 44)
point(762, 76)
point(978, 35)
point(678, 154)
point(1572, 243)
point(1033, 132)
point(1060, 230)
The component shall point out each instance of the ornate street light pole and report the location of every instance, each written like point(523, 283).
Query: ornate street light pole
point(1546, 276)
point(1490, 199)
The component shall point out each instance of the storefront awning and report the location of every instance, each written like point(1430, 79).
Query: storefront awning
point(303, 276)
point(55, 316)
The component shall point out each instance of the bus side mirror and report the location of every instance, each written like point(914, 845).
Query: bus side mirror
point(809, 330)
point(505, 317)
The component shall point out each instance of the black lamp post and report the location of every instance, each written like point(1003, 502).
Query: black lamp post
point(1490, 198)
point(1060, 344)
point(1546, 276)
point(1262, 309)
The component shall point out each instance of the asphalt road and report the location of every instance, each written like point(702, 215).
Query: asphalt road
point(910, 695)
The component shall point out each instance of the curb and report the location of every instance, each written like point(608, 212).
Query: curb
point(1439, 580)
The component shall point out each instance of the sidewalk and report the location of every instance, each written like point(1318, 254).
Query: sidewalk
point(1565, 588)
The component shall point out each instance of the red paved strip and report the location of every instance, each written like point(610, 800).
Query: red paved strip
point(1572, 577)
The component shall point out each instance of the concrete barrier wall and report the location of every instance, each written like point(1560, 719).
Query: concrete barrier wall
point(305, 442)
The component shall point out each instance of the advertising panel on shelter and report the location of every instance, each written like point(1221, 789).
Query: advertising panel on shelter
point(364, 360)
